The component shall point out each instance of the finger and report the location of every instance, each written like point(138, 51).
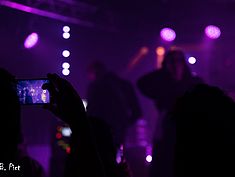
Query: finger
point(64, 87)
point(59, 83)
point(52, 81)
point(50, 87)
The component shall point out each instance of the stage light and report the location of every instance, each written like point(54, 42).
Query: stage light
point(149, 158)
point(66, 131)
point(84, 103)
point(192, 60)
point(31, 40)
point(66, 29)
point(65, 65)
point(66, 35)
point(66, 53)
point(168, 34)
point(212, 32)
point(144, 50)
point(58, 135)
point(119, 154)
point(160, 51)
point(65, 72)
point(68, 150)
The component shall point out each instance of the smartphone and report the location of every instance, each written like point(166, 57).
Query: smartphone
point(30, 91)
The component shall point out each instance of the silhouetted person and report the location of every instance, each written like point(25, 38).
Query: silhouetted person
point(164, 86)
point(21, 96)
point(84, 159)
point(10, 132)
point(205, 134)
point(112, 99)
point(107, 150)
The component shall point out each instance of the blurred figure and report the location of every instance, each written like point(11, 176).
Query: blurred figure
point(113, 100)
point(22, 96)
point(92, 149)
point(164, 87)
point(107, 150)
point(205, 134)
point(10, 131)
point(28, 97)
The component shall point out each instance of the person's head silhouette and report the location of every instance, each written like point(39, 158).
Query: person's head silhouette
point(10, 116)
point(175, 63)
point(205, 121)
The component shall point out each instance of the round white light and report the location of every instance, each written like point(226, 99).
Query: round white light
point(192, 60)
point(65, 65)
point(66, 131)
point(66, 53)
point(66, 35)
point(149, 158)
point(66, 29)
point(65, 72)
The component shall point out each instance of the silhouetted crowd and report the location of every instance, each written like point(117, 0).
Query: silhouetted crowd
point(198, 120)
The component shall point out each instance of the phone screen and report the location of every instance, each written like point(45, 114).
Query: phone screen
point(30, 91)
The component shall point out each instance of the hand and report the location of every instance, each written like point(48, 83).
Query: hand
point(65, 102)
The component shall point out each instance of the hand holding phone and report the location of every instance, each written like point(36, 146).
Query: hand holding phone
point(30, 91)
point(65, 102)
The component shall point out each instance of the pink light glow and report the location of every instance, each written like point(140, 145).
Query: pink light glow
point(31, 40)
point(65, 65)
point(168, 34)
point(212, 32)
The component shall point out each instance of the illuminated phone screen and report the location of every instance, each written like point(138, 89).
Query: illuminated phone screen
point(30, 92)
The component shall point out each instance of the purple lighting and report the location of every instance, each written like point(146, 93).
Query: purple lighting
point(168, 34)
point(31, 40)
point(212, 32)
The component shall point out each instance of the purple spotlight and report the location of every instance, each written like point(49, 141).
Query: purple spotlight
point(168, 34)
point(66, 53)
point(212, 32)
point(31, 40)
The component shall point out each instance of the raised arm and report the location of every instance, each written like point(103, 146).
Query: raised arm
point(66, 104)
